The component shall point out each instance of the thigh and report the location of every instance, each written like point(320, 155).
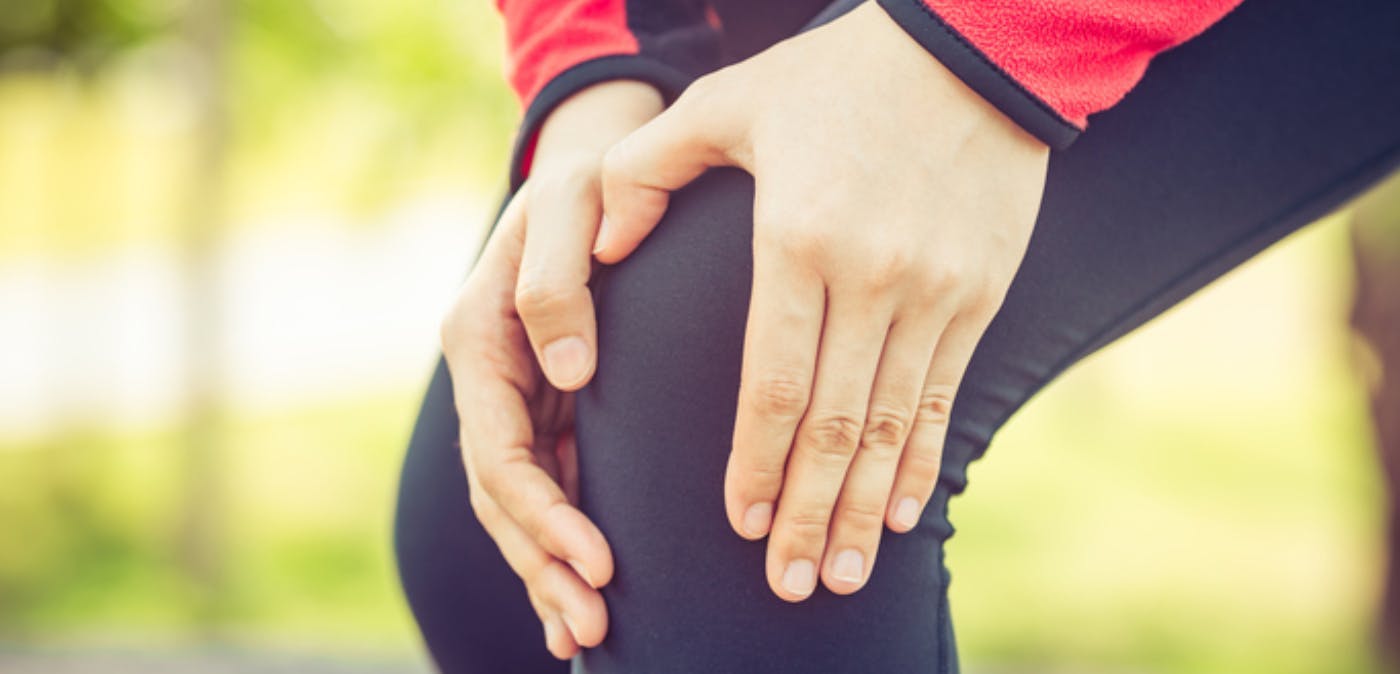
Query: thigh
point(1272, 118)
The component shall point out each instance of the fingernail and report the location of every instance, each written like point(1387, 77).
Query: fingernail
point(566, 359)
point(549, 633)
point(757, 518)
point(906, 514)
point(849, 566)
point(800, 578)
point(582, 572)
point(602, 232)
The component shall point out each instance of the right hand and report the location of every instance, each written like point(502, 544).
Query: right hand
point(892, 208)
point(513, 391)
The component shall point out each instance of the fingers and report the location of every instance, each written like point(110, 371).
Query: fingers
point(504, 465)
point(511, 470)
point(858, 520)
point(780, 354)
point(826, 441)
point(923, 452)
point(559, 595)
point(526, 513)
point(557, 639)
point(551, 294)
point(697, 132)
point(498, 440)
point(572, 613)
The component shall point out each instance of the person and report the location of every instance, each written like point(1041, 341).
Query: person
point(772, 274)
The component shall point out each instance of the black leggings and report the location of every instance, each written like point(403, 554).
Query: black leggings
point(1272, 118)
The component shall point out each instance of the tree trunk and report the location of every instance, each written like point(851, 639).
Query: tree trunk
point(201, 529)
point(1376, 319)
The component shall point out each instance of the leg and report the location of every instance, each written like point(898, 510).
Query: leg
point(1229, 145)
point(654, 428)
point(471, 608)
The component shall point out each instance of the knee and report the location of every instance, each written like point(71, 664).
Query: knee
point(654, 429)
point(677, 306)
point(659, 411)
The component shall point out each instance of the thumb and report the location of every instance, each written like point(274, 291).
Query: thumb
point(639, 173)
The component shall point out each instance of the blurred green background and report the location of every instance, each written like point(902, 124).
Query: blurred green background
point(228, 229)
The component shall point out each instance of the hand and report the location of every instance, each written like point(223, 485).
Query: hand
point(516, 428)
point(893, 207)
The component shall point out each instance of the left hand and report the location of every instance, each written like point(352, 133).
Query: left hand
point(513, 386)
point(893, 208)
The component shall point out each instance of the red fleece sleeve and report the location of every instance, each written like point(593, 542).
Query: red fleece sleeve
point(545, 37)
point(1070, 58)
point(555, 48)
point(1079, 56)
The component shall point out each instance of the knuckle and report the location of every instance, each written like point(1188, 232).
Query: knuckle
point(532, 572)
point(488, 499)
point(812, 245)
point(833, 435)
point(926, 290)
point(791, 238)
point(936, 405)
point(862, 516)
point(540, 296)
point(761, 478)
point(534, 526)
point(944, 276)
point(701, 91)
point(613, 167)
point(455, 326)
point(885, 430)
point(485, 470)
point(498, 475)
point(889, 268)
point(984, 300)
point(810, 525)
point(779, 395)
point(924, 466)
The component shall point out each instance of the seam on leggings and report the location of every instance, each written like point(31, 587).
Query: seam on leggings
point(1384, 162)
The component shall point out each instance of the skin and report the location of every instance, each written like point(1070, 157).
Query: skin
point(516, 426)
point(893, 207)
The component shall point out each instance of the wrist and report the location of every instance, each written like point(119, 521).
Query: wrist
point(591, 120)
point(931, 83)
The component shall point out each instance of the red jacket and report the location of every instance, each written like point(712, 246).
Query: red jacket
point(1047, 64)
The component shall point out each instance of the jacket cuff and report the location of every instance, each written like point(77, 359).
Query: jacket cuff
point(981, 74)
point(669, 80)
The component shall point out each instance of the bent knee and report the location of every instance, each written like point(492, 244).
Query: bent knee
point(680, 301)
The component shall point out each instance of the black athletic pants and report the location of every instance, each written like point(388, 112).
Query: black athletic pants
point(1270, 119)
